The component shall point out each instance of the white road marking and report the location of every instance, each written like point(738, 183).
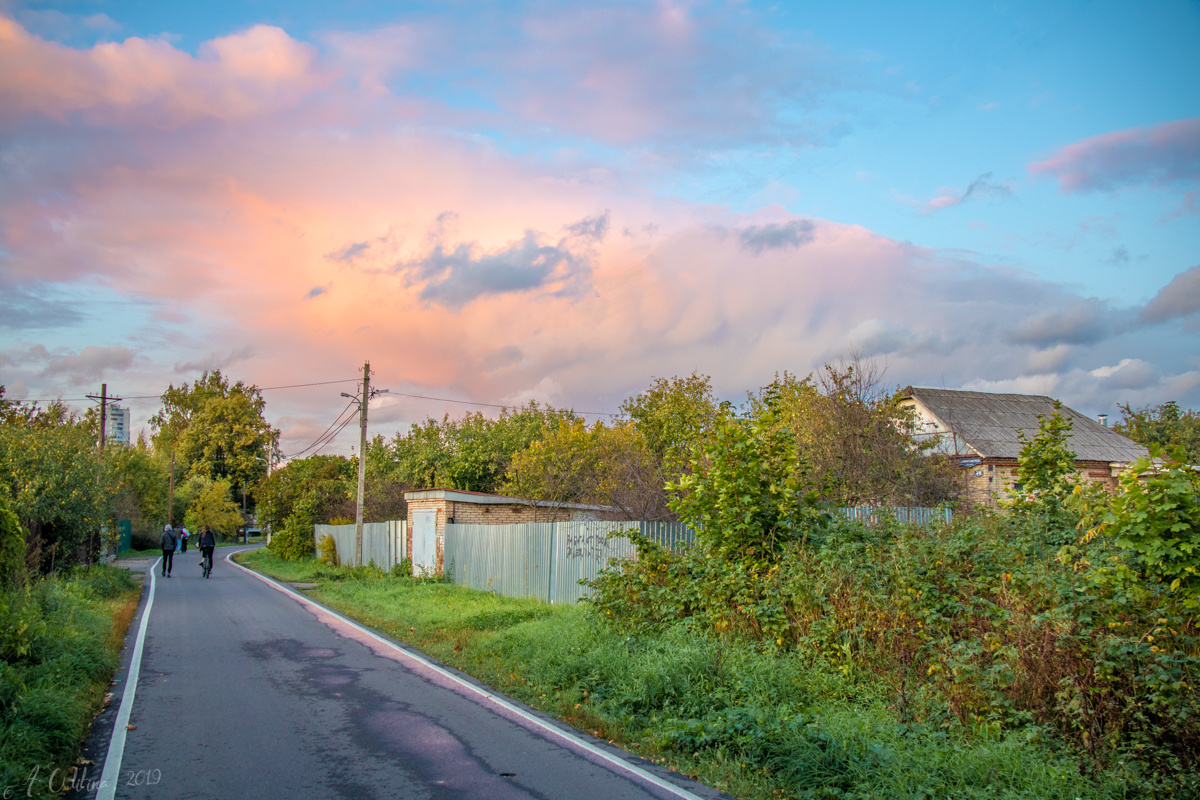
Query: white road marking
point(116, 745)
point(473, 689)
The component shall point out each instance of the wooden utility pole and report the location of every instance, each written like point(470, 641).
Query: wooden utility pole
point(362, 463)
point(104, 401)
point(363, 400)
point(171, 492)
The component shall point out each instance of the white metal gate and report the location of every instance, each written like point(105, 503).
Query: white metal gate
point(424, 542)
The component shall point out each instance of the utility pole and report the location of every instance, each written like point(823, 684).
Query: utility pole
point(104, 401)
point(363, 400)
point(171, 492)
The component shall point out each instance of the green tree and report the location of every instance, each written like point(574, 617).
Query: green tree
point(557, 468)
point(1167, 425)
point(471, 453)
point(141, 478)
point(748, 492)
point(58, 486)
point(856, 437)
point(215, 508)
point(318, 484)
point(217, 429)
point(1046, 467)
point(672, 415)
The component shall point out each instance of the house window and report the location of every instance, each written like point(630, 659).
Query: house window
point(990, 468)
point(1017, 487)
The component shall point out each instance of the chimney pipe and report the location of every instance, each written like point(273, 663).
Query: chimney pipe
point(1103, 419)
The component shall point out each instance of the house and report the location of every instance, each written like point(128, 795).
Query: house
point(979, 430)
point(430, 510)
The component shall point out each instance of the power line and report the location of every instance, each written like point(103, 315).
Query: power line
point(495, 405)
point(353, 380)
point(326, 437)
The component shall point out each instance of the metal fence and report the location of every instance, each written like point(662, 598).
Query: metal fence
point(909, 515)
point(384, 543)
point(545, 560)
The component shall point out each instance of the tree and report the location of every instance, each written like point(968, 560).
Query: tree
point(556, 469)
point(57, 485)
point(673, 414)
point(610, 466)
point(217, 429)
point(140, 475)
point(747, 493)
point(856, 437)
point(1165, 425)
point(213, 507)
point(1046, 464)
point(471, 453)
point(320, 485)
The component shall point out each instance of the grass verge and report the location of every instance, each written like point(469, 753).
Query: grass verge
point(60, 641)
point(757, 725)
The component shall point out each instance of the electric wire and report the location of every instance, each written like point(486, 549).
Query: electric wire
point(326, 437)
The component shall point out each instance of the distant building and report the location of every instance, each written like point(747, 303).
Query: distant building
point(117, 424)
point(979, 430)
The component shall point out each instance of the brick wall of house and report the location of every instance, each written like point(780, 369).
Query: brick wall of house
point(995, 478)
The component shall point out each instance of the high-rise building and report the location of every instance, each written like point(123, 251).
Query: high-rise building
point(117, 424)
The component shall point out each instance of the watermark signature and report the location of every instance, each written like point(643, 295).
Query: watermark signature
point(78, 778)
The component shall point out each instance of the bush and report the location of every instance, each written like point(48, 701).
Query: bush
point(54, 652)
point(327, 550)
point(294, 540)
point(12, 548)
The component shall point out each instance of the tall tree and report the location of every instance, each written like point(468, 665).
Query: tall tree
point(673, 414)
point(217, 429)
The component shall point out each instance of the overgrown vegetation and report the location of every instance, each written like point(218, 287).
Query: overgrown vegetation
point(60, 638)
point(755, 720)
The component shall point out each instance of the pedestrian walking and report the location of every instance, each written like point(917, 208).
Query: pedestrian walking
point(168, 549)
point(183, 537)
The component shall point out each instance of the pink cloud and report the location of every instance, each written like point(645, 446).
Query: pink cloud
point(1162, 154)
point(151, 82)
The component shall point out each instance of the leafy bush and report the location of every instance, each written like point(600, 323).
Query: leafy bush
point(294, 540)
point(54, 656)
point(327, 550)
point(12, 548)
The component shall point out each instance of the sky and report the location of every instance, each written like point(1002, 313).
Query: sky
point(494, 203)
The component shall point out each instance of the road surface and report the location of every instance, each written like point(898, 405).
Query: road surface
point(246, 689)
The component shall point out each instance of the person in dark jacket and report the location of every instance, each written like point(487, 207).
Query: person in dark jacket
point(207, 543)
point(168, 548)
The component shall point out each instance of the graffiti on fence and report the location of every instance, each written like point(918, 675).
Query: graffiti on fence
point(590, 544)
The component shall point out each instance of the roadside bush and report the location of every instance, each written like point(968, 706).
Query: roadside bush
point(12, 548)
point(327, 550)
point(294, 540)
point(55, 657)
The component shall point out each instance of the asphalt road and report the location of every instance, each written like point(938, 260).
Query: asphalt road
point(246, 690)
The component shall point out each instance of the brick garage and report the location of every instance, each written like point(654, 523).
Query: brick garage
point(453, 506)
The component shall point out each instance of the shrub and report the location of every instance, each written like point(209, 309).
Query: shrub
point(12, 548)
point(327, 550)
point(294, 540)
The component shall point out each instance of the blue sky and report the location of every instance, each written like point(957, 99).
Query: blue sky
point(503, 202)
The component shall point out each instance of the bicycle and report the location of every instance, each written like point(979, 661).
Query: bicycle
point(206, 564)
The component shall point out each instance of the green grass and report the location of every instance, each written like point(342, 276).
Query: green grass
point(753, 724)
point(59, 645)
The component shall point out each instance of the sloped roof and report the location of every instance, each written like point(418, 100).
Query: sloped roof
point(989, 423)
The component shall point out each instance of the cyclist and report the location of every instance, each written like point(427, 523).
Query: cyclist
point(207, 543)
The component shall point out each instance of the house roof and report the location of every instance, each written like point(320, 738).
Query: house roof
point(988, 425)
